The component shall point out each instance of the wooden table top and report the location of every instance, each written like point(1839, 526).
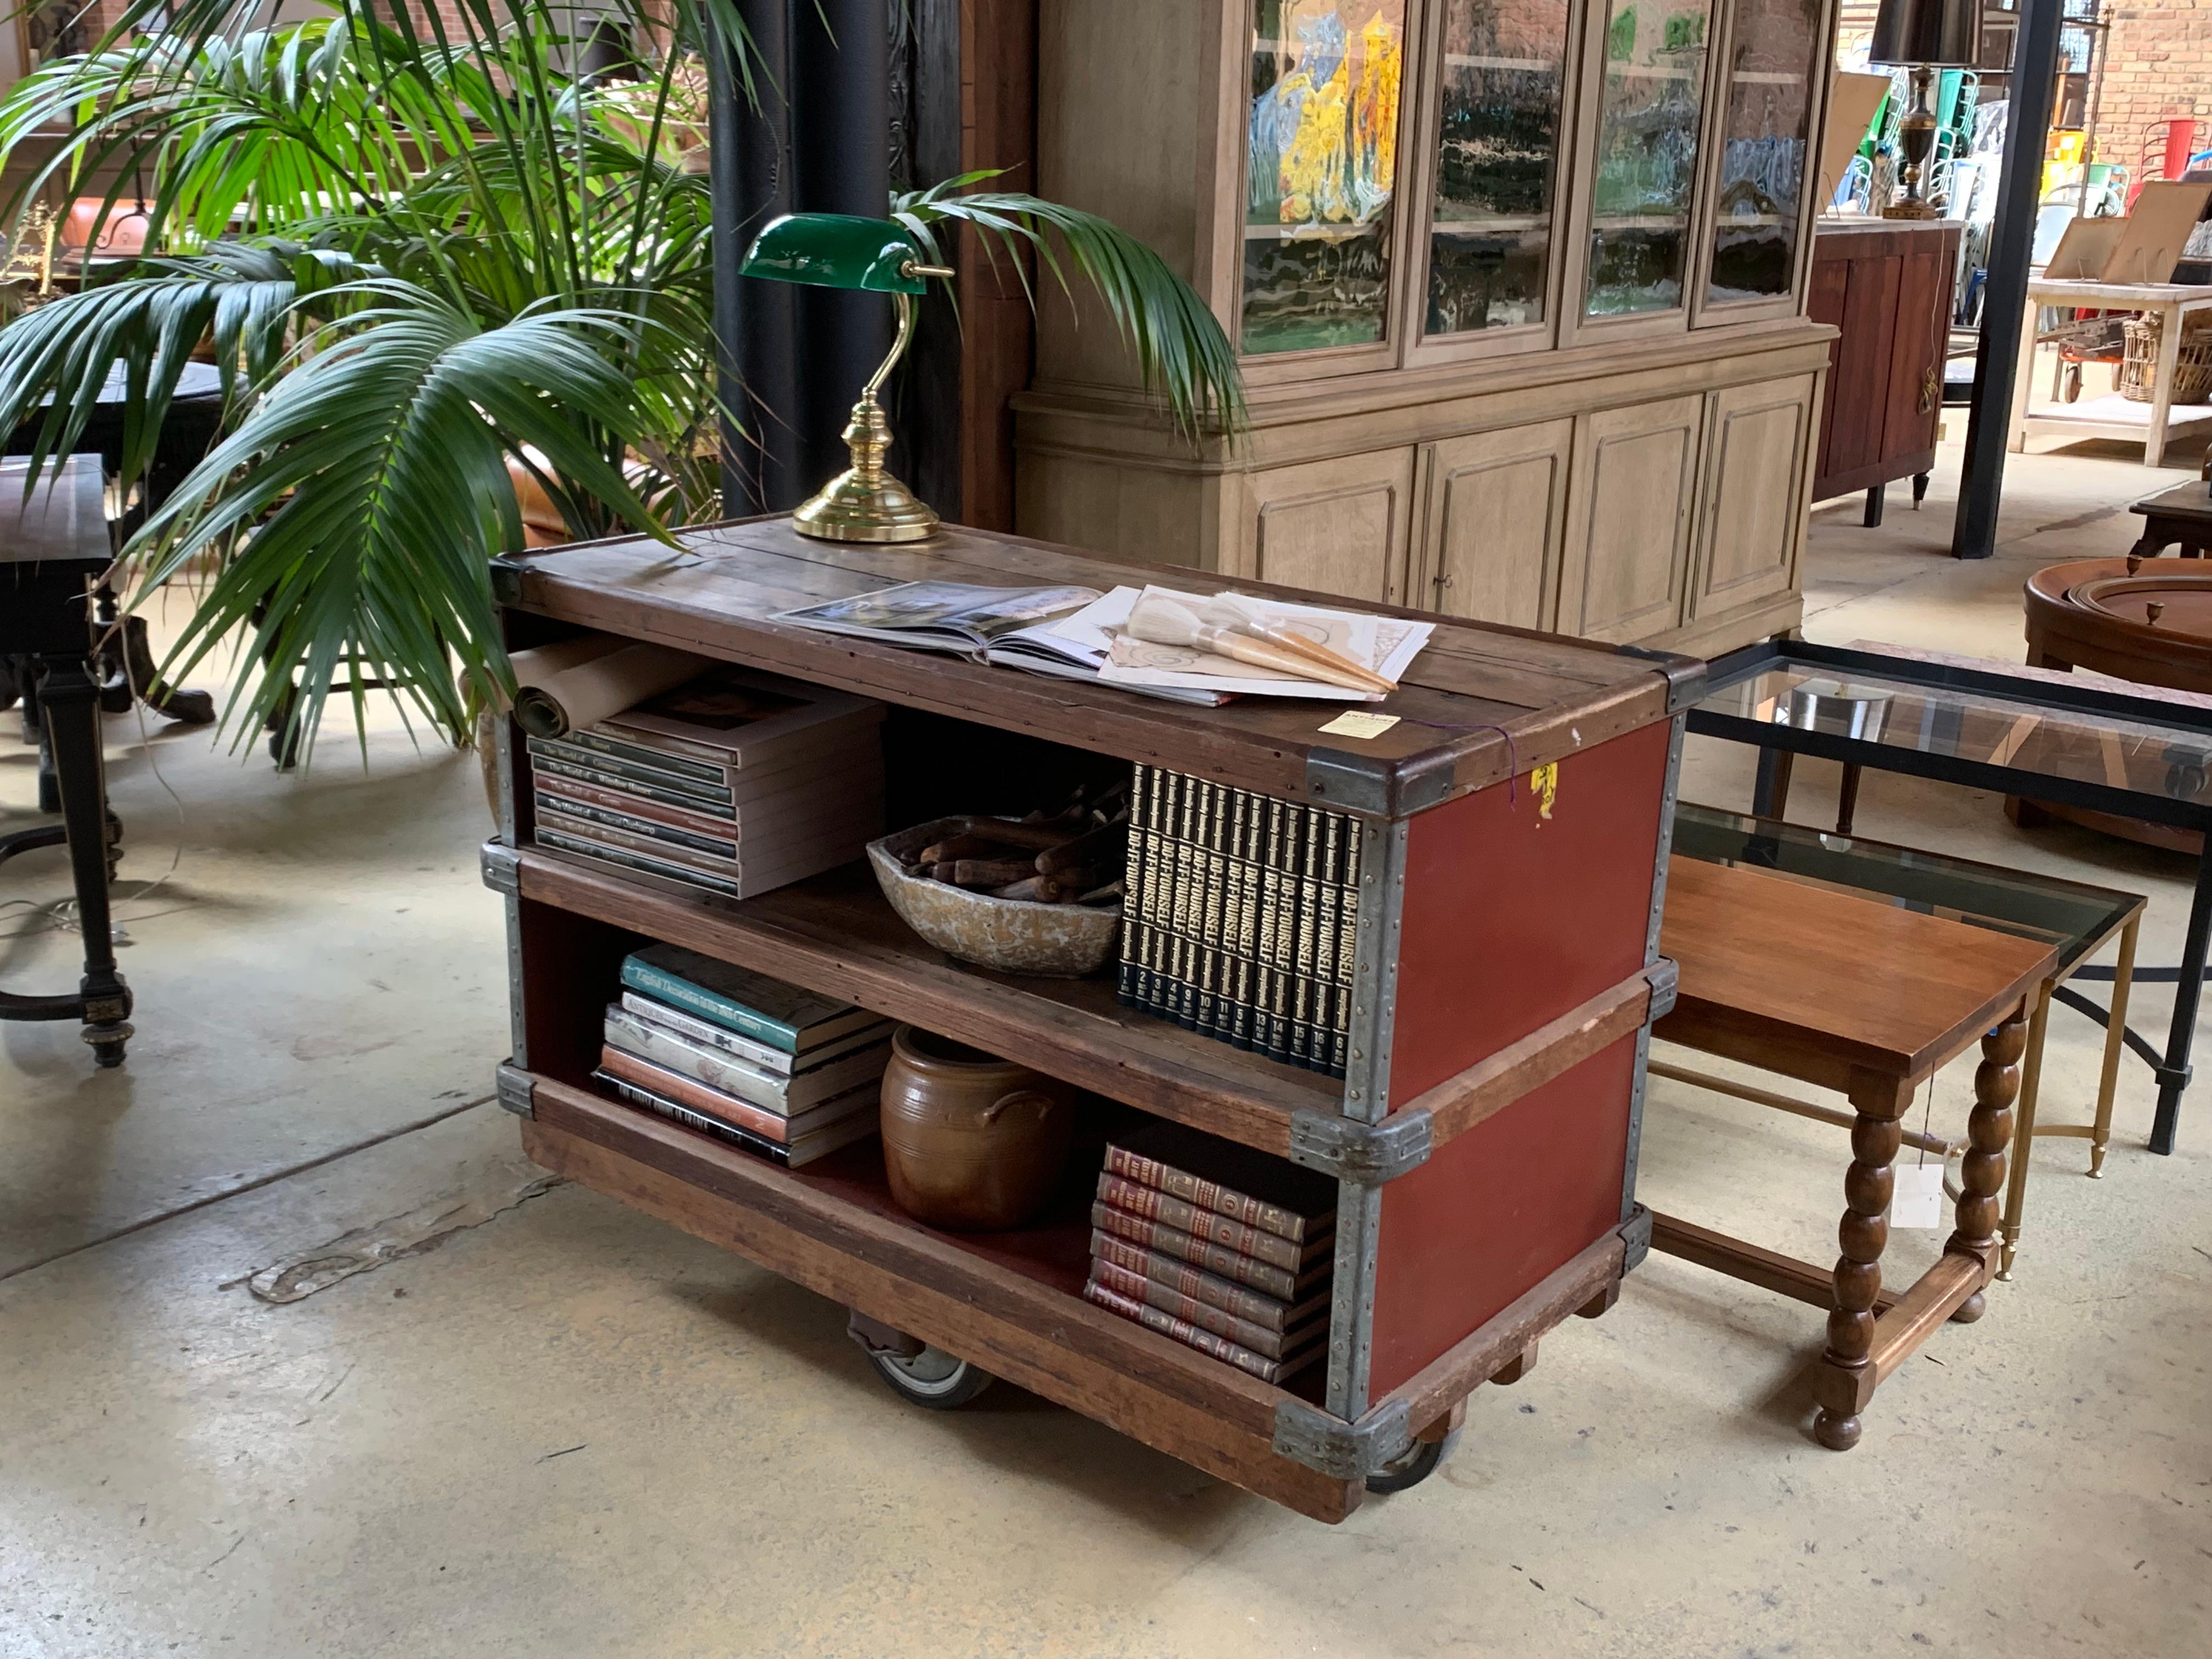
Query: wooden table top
point(1773, 966)
point(64, 520)
point(2188, 501)
point(2133, 295)
point(1478, 704)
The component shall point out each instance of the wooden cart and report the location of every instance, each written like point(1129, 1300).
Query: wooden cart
point(1513, 831)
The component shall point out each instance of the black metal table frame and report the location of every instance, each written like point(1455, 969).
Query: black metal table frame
point(2040, 697)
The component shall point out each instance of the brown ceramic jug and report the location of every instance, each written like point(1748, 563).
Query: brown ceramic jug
point(972, 1143)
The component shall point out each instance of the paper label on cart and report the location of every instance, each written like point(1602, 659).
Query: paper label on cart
point(1916, 1200)
point(1359, 725)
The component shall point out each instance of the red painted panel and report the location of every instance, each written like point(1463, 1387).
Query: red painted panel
point(1511, 919)
point(1491, 1212)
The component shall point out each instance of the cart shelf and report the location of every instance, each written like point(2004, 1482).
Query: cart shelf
point(1010, 1302)
point(836, 934)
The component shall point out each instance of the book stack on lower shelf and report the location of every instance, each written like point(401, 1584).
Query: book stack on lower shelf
point(746, 1059)
point(1240, 917)
point(735, 783)
point(1224, 1249)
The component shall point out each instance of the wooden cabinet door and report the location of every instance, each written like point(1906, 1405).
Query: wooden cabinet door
point(1493, 517)
point(1751, 508)
point(1921, 331)
point(1336, 527)
point(1626, 569)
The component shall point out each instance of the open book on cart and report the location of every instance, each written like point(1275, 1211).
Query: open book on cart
point(1078, 633)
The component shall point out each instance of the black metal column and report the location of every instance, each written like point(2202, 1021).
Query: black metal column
point(755, 323)
point(841, 134)
point(2004, 296)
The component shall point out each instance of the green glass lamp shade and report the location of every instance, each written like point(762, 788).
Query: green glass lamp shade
point(837, 250)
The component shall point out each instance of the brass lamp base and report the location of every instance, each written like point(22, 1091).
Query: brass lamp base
point(860, 507)
point(1911, 208)
point(865, 503)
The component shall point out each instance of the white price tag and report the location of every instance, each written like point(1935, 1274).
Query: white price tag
point(1357, 723)
point(1916, 1199)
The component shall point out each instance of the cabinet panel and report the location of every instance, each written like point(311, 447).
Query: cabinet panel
point(1494, 518)
point(1337, 527)
point(1916, 359)
point(1628, 540)
point(1748, 539)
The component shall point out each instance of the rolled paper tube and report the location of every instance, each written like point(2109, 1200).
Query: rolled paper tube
point(564, 688)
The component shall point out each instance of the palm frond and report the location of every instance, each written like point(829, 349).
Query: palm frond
point(354, 511)
point(1179, 344)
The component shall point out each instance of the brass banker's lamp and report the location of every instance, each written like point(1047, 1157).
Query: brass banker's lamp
point(1923, 36)
point(863, 503)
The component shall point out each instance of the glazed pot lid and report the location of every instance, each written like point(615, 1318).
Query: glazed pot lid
point(2184, 601)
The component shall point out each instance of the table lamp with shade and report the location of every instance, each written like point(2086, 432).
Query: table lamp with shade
point(1923, 36)
point(864, 503)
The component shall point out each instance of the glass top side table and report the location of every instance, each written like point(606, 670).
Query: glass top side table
point(2076, 918)
point(2017, 734)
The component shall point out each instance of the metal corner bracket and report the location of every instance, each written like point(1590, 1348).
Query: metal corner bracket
point(1686, 676)
point(1363, 784)
point(1665, 976)
point(1635, 1236)
point(515, 1088)
point(502, 867)
point(1343, 1451)
point(507, 574)
point(1366, 1154)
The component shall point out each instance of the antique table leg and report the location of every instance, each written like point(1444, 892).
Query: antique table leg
point(2023, 1132)
point(2174, 1076)
point(68, 710)
point(1769, 789)
point(1844, 1381)
point(2115, 1039)
point(1988, 1133)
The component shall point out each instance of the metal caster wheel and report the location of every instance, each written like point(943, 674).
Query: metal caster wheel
point(932, 1378)
point(916, 1371)
point(1414, 1465)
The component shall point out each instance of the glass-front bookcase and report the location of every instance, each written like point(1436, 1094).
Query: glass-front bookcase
point(1427, 181)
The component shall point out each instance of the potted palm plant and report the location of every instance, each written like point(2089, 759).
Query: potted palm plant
point(426, 257)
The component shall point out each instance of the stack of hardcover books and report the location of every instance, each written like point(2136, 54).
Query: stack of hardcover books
point(734, 783)
point(1241, 917)
point(1223, 1248)
point(746, 1059)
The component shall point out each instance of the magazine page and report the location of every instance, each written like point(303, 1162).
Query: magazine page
point(944, 616)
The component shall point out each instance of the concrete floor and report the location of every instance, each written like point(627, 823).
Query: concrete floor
point(497, 1419)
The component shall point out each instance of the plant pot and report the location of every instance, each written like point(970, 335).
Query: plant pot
point(971, 1143)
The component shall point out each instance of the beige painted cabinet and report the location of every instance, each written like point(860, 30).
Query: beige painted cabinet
point(1493, 520)
point(1629, 520)
point(1517, 286)
point(1335, 526)
point(1758, 485)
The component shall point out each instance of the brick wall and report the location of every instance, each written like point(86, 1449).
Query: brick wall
point(2159, 68)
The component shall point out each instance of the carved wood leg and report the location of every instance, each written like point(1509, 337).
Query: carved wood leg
point(1845, 1379)
point(1988, 1133)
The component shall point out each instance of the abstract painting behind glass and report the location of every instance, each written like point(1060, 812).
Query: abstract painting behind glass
point(1647, 157)
point(1497, 147)
point(1776, 42)
point(1321, 159)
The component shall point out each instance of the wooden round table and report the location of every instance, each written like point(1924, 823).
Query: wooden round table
point(2148, 621)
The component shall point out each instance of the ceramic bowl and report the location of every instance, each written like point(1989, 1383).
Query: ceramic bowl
point(1016, 936)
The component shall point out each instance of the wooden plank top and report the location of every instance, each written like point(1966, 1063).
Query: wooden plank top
point(1773, 966)
point(1478, 703)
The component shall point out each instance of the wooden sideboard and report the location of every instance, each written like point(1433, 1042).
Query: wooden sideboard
point(1526, 344)
point(1886, 284)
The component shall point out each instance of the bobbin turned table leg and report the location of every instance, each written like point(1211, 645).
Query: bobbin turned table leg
point(1988, 1133)
point(1844, 1381)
